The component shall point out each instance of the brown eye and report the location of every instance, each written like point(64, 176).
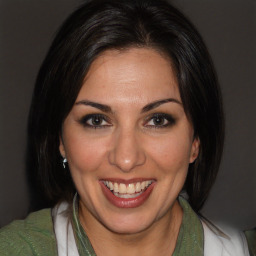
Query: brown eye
point(160, 120)
point(95, 121)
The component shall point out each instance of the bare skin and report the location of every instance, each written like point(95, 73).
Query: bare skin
point(158, 239)
point(128, 123)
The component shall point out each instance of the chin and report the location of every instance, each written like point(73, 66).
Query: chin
point(129, 223)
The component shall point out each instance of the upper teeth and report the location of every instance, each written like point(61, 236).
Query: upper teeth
point(127, 188)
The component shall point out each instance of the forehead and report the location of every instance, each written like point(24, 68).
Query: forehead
point(133, 75)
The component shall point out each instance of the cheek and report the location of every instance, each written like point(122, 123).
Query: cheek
point(171, 153)
point(84, 154)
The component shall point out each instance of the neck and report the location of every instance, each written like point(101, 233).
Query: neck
point(163, 233)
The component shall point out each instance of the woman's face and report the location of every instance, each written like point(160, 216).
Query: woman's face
point(128, 141)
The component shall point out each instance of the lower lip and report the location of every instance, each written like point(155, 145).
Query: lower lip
point(127, 202)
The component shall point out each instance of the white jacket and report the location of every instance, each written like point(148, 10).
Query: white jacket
point(223, 241)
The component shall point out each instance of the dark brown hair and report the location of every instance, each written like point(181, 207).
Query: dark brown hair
point(99, 25)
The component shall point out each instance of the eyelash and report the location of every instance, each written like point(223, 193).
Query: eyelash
point(84, 121)
point(167, 119)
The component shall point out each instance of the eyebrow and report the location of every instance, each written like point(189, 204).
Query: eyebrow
point(155, 104)
point(102, 107)
point(107, 109)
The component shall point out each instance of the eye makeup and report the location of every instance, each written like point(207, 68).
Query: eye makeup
point(95, 121)
point(153, 121)
point(159, 120)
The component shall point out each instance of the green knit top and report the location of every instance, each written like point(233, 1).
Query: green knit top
point(32, 236)
point(35, 235)
point(251, 239)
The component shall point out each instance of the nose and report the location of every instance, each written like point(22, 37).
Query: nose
point(126, 152)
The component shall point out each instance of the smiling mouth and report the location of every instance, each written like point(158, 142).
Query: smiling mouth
point(126, 191)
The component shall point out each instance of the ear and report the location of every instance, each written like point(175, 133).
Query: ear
point(194, 150)
point(61, 147)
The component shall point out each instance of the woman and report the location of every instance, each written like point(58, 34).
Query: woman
point(126, 114)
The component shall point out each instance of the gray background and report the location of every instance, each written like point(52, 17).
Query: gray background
point(228, 26)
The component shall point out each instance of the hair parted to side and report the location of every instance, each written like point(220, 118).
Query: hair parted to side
point(99, 25)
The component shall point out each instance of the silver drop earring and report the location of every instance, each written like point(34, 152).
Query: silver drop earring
point(64, 162)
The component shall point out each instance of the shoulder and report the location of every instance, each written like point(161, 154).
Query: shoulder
point(32, 236)
point(223, 240)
